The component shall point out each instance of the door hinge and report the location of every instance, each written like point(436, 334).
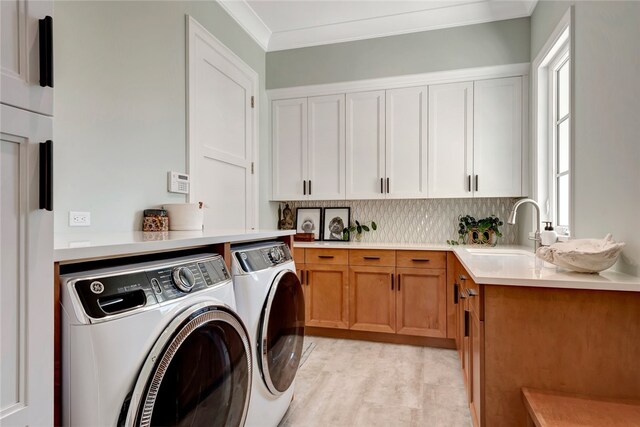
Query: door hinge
point(253, 102)
point(252, 169)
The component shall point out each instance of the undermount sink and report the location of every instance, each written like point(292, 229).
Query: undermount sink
point(497, 252)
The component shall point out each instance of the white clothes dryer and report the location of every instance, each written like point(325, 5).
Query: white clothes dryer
point(156, 343)
point(270, 300)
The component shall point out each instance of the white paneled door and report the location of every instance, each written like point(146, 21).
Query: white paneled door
point(450, 140)
point(222, 132)
point(326, 152)
point(26, 274)
point(289, 149)
point(365, 143)
point(497, 140)
point(406, 143)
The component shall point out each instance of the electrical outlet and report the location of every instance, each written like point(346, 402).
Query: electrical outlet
point(79, 219)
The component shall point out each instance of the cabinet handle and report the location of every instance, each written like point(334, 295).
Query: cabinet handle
point(304, 187)
point(45, 35)
point(46, 175)
point(476, 182)
point(471, 293)
point(306, 278)
point(387, 185)
point(391, 281)
point(455, 292)
point(420, 259)
point(399, 277)
point(309, 187)
point(461, 294)
point(326, 256)
point(462, 277)
point(371, 257)
point(466, 323)
point(469, 182)
point(382, 185)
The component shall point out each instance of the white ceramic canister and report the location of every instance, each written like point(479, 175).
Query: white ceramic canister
point(185, 216)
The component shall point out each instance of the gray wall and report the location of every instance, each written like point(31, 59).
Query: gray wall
point(493, 43)
point(607, 129)
point(120, 120)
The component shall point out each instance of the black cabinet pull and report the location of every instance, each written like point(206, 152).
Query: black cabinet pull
point(462, 277)
point(325, 256)
point(371, 257)
point(399, 277)
point(391, 281)
point(469, 182)
point(455, 292)
point(46, 175)
point(420, 259)
point(304, 187)
point(387, 185)
point(45, 35)
point(306, 277)
point(309, 187)
point(382, 185)
point(476, 182)
point(466, 323)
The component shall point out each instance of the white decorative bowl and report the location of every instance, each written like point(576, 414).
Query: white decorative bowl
point(583, 255)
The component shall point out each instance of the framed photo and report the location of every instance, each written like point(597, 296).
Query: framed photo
point(309, 220)
point(335, 220)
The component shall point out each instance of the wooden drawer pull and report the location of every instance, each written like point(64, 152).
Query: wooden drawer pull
point(420, 259)
point(371, 257)
point(326, 256)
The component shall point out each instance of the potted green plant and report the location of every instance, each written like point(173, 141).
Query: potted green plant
point(483, 231)
point(359, 229)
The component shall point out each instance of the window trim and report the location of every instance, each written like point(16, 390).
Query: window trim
point(555, 51)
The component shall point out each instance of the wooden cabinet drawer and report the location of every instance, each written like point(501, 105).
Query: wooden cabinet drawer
point(298, 255)
point(372, 257)
point(327, 256)
point(421, 259)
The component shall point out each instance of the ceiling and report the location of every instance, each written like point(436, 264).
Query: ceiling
point(288, 24)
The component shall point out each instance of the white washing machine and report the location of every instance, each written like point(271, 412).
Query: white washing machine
point(271, 303)
point(154, 344)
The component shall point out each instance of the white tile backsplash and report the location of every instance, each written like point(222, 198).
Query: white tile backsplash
point(421, 221)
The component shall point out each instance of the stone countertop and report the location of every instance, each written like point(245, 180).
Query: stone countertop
point(73, 247)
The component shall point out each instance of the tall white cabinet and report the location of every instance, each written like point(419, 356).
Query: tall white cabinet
point(26, 231)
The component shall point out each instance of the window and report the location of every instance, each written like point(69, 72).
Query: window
point(551, 127)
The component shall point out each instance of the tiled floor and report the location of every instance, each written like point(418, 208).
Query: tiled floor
point(360, 383)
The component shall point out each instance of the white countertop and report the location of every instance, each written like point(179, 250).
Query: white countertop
point(506, 265)
point(88, 246)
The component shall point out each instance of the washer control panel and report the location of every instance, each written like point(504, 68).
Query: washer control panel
point(262, 257)
point(122, 291)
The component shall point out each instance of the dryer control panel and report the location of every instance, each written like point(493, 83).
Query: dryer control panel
point(260, 257)
point(125, 289)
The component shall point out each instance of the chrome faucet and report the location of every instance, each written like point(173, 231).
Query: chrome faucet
point(512, 219)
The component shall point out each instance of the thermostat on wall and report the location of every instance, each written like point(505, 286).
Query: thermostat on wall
point(178, 182)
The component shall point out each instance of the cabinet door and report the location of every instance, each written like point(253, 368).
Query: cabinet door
point(20, 55)
point(406, 143)
point(289, 149)
point(476, 339)
point(372, 302)
point(497, 139)
point(421, 302)
point(326, 147)
point(327, 297)
point(450, 140)
point(366, 145)
point(26, 294)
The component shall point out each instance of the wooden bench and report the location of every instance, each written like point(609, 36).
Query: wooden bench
point(555, 409)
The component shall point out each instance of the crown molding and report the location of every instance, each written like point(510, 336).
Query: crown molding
point(244, 15)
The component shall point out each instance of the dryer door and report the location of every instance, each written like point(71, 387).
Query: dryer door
point(281, 332)
point(197, 374)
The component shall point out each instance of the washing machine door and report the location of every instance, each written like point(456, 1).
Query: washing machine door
point(281, 332)
point(197, 374)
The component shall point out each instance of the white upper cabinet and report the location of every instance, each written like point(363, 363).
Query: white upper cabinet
point(20, 55)
point(366, 145)
point(289, 149)
point(406, 143)
point(326, 149)
point(497, 152)
point(450, 140)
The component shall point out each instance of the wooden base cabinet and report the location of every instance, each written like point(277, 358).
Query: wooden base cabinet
point(372, 299)
point(327, 296)
point(421, 302)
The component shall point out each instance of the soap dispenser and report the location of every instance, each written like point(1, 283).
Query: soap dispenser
point(548, 236)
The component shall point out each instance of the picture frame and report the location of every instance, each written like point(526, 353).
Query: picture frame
point(334, 221)
point(309, 220)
